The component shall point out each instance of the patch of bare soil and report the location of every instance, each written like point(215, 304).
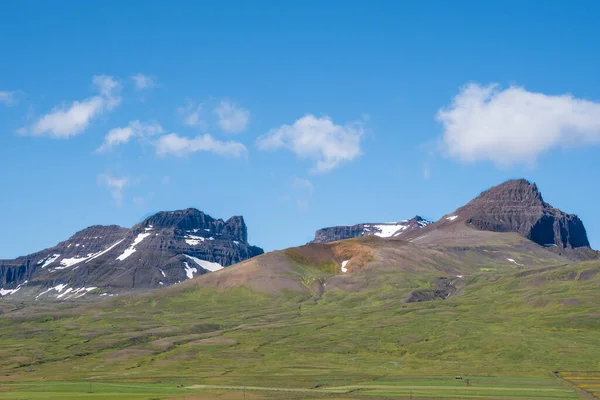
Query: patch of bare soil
point(587, 275)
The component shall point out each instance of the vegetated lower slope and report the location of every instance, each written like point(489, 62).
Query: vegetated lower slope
point(516, 323)
point(446, 299)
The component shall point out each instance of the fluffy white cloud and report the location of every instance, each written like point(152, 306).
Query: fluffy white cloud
point(179, 146)
point(9, 98)
point(318, 139)
point(66, 121)
point(118, 136)
point(115, 185)
point(514, 126)
point(231, 118)
point(142, 81)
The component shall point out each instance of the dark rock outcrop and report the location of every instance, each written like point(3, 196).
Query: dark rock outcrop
point(388, 229)
point(165, 248)
point(518, 206)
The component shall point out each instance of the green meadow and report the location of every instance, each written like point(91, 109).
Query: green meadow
point(502, 333)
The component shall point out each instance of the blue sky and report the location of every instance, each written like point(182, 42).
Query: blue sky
point(297, 115)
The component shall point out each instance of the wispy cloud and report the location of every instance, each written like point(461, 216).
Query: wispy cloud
point(426, 172)
point(302, 190)
point(302, 184)
point(69, 120)
point(116, 186)
point(10, 98)
point(180, 146)
point(514, 126)
point(191, 114)
point(142, 81)
point(122, 135)
point(318, 139)
point(232, 118)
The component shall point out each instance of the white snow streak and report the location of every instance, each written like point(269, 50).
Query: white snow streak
point(48, 260)
point(104, 251)
point(344, 269)
point(69, 262)
point(452, 217)
point(131, 249)
point(6, 292)
point(513, 261)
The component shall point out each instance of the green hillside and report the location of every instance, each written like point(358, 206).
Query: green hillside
point(498, 321)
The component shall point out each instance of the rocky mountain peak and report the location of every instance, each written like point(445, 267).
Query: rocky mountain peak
point(193, 220)
point(381, 229)
point(518, 206)
point(515, 191)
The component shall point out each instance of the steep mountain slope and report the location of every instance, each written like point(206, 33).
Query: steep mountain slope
point(515, 206)
point(164, 249)
point(381, 229)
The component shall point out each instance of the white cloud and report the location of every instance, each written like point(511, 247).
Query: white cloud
point(9, 98)
point(118, 136)
point(142, 81)
point(66, 121)
point(231, 118)
point(514, 126)
point(179, 146)
point(191, 114)
point(318, 139)
point(115, 185)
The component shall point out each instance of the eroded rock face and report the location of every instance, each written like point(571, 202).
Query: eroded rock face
point(386, 230)
point(518, 206)
point(164, 249)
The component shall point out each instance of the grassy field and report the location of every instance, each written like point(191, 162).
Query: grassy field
point(468, 387)
point(336, 344)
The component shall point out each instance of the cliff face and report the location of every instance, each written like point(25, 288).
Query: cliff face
point(386, 230)
point(164, 249)
point(518, 206)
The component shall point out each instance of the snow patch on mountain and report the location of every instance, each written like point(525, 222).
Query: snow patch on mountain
point(193, 240)
point(344, 269)
point(69, 262)
point(207, 265)
point(103, 251)
point(48, 260)
point(386, 230)
point(131, 249)
point(189, 271)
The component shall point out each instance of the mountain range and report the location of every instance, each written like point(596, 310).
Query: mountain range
point(505, 286)
point(173, 246)
point(163, 249)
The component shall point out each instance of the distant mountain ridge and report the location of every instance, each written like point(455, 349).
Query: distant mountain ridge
point(165, 248)
point(381, 229)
